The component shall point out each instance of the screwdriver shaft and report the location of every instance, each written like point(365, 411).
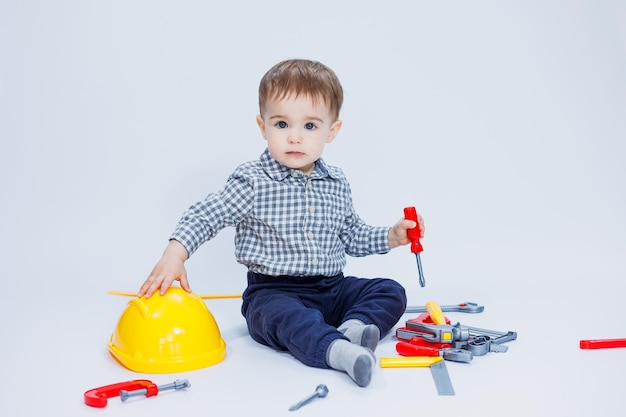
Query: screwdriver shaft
point(419, 270)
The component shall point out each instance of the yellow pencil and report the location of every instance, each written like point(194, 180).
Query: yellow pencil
point(204, 297)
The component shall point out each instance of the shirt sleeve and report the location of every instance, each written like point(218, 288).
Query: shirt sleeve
point(204, 219)
point(366, 240)
point(361, 239)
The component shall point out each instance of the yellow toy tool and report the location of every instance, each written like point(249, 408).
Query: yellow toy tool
point(434, 310)
point(409, 361)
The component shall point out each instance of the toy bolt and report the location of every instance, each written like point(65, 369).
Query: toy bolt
point(320, 391)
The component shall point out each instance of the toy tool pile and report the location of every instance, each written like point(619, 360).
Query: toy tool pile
point(430, 338)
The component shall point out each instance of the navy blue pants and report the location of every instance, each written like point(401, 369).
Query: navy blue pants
point(301, 315)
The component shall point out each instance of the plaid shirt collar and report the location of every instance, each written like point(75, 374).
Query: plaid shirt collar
point(279, 172)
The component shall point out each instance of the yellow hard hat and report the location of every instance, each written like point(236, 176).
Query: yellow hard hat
point(168, 333)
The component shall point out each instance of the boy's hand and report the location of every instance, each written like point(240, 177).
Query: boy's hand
point(398, 235)
point(170, 268)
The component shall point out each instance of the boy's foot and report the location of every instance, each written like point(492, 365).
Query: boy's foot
point(357, 361)
point(366, 335)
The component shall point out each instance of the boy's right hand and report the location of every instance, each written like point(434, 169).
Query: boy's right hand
point(398, 233)
point(170, 268)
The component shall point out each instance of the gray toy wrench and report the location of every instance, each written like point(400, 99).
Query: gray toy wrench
point(467, 307)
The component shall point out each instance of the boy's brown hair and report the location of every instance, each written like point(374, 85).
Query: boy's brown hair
point(302, 77)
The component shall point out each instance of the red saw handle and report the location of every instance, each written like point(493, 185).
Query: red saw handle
point(414, 234)
point(97, 397)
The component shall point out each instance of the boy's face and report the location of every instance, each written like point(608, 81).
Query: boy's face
point(296, 130)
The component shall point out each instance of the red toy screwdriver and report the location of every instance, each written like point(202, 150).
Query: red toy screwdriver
point(414, 237)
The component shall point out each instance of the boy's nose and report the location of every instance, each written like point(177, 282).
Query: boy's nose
point(294, 138)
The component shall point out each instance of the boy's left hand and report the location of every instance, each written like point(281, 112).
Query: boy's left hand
point(398, 235)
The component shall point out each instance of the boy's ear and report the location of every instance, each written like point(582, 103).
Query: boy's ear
point(261, 124)
point(334, 130)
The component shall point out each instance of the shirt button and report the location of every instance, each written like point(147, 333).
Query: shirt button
point(294, 173)
point(312, 209)
point(310, 235)
point(314, 261)
point(309, 185)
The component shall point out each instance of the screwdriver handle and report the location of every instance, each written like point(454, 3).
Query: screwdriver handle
point(414, 234)
point(434, 310)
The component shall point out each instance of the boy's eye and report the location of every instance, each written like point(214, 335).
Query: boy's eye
point(281, 125)
point(309, 126)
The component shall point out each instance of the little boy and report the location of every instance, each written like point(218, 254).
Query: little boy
point(295, 223)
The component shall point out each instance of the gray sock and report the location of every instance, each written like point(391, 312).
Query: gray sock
point(357, 361)
point(366, 335)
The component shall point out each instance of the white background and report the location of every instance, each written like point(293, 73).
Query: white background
point(502, 122)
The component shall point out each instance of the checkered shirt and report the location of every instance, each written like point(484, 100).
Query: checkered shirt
point(286, 223)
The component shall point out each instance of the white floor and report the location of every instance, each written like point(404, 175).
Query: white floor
point(55, 350)
point(502, 123)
